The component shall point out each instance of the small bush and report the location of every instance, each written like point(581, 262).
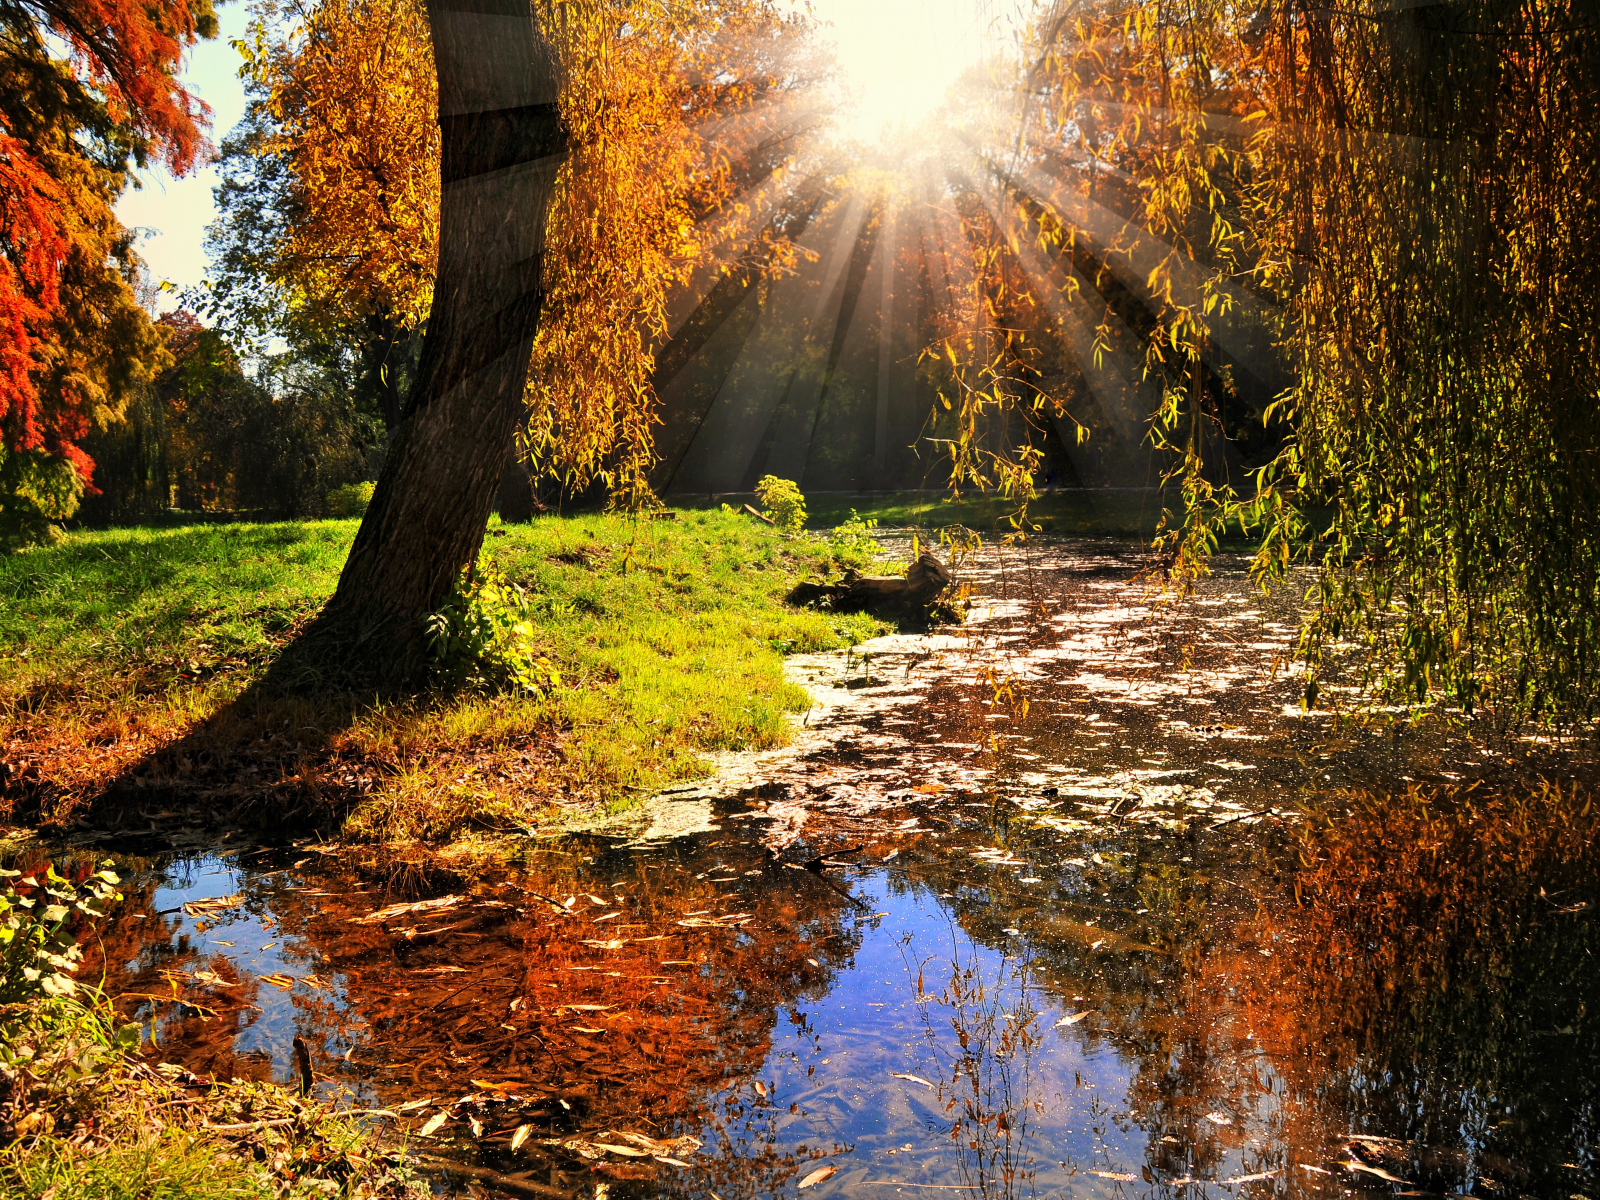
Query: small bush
point(38, 953)
point(855, 535)
point(482, 637)
point(351, 500)
point(782, 503)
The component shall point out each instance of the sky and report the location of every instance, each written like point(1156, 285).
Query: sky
point(898, 57)
point(171, 214)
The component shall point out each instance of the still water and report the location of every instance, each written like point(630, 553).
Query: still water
point(1033, 908)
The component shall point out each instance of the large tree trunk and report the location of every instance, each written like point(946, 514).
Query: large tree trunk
point(502, 141)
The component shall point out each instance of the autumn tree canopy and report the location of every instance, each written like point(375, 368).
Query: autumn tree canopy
point(88, 89)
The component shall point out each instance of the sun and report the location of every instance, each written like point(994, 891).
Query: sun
point(899, 58)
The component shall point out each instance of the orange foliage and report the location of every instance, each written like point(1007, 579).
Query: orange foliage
point(354, 101)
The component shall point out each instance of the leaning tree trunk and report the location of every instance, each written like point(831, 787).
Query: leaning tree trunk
point(501, 143)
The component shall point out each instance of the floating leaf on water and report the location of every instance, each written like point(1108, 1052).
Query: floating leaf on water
point(612, 944)
point(598, 900)
point(442, 971)
point(279, 980)
point(520, 1136)
point(607, 917)
point(195, 908)
point(212, 979)
point(409, 1105)
point(625, 1151)
point(569, 902)
point(1073, 1019)
point(586, 1029)
point(1217, 1118)
point(1238, 1179)
point(431, 1125)
point(666, 1158)
point(820, 1174)
point(1119, 1176)
point(761, 1088)
point(402, 910)
point(1097, 945)
point(913, 1078)
point(586, 1007)
point(506, 1088)
point(1353, 1165)
point(477, 1126)
point(220, 942)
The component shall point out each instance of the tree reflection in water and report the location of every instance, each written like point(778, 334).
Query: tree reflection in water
point(1431, 992)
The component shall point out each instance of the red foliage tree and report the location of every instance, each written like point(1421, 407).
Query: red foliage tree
point(87, 88)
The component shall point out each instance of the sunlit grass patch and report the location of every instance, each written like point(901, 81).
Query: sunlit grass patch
point(131, 657)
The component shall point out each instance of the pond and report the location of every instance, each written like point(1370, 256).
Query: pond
point(1033, 907)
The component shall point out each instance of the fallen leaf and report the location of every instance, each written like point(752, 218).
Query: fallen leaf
point(401, 910)
point(411, 1104)
point(1097, 945)
point(1353, 1165)
point(1119, 1176)
point(912, 1078)
point(676, 1162)
point(212, 979)
point(279, 980)
point(585, 1007)
point(1238, 1179)
point(761, 1088)
point(505, 1089)
point(1073, 1019)
point(612, 944)
point(220, 942)
point(195, 908)
point(820, 1174)
point(442, 971)
point(597, 900)
point(607, 917)
point(520, 1136)
point(477, 1126)
point(1217, 1118)
point(431, 1125)
point(586, 1029)
point(625, 1151)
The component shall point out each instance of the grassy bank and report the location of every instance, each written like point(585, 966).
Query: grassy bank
point(131, 661)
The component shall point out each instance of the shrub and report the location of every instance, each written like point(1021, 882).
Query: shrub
point(38, 953)
point(782, 502)
point(482, 637)
point(351, 500)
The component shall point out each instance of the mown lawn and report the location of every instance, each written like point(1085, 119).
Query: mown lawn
point(132, 659)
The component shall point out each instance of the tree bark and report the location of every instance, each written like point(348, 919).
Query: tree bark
point(502, 142)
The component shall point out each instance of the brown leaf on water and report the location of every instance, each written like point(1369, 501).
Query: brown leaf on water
point(586, 1029)
point(913, 1078)
point(520, 1136)
point(667, 1158)
point(279, 980)
point(431, 1125)
point(195, 908)
point(402, 910)
point(597, 900)
point(761, 1088)
point(1073, 1019)
point(413, 1104)
point(212, 979)
point(612, 916)
point(624, 1151)
point(817, 1176)
point(611, 944)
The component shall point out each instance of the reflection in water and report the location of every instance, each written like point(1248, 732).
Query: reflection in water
point(1085, 950)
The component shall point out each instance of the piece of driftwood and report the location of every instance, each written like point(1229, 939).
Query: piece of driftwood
point(748, 511)
point(919, 589)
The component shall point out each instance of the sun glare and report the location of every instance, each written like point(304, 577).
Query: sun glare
point(899, 58)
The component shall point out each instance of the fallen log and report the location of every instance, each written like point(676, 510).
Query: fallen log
point(915, 592)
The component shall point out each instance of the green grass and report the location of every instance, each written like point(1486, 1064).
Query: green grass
point(669, 636)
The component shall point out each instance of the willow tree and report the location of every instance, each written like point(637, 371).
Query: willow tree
point(1406, 194)
point(501, 145)
point(532, 211)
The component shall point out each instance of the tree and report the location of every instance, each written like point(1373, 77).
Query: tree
point(501, 143)
point(76, 343)
point(618, 215)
